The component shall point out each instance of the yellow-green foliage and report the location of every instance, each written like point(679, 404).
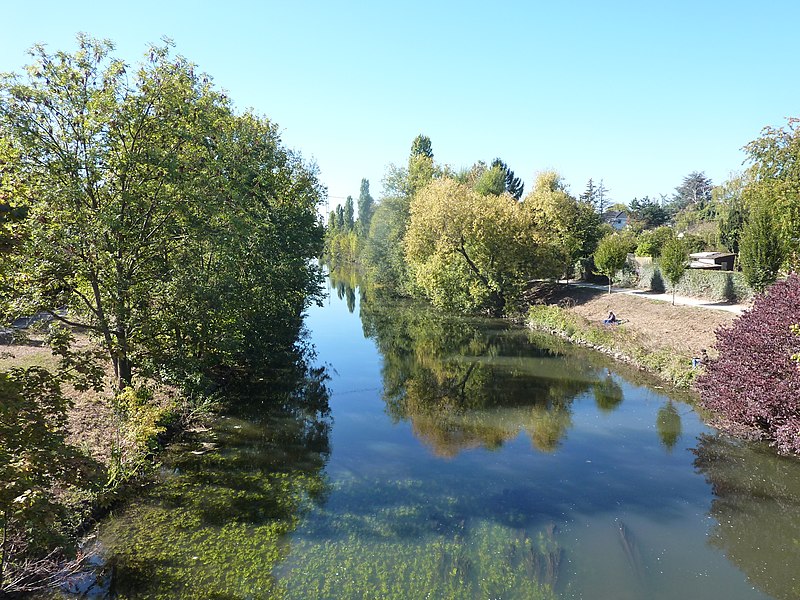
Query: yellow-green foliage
point(470, 251)
point(668, 364)
point(141, 421)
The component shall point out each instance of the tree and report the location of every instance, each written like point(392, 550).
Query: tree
point(754, 384)
point(762, 250)
point(649, 212)
point(590, 194)
point(601, 198)
point(694, 190)
point(774, 175)
point(574, 224)
point(366, 207)
point(673, 262)
point(421, 146)
point(492, 181)
point(151, 200)
point(652, 242)
point(513, 184)
point(467, 251)
point(733, 211)
point(611, 255)
point(349, 214)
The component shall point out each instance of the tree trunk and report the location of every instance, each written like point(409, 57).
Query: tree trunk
point(3, 550)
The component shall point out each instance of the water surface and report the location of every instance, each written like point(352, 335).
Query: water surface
point(461, 458)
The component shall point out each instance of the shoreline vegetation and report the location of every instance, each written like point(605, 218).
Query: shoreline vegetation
point(158, 247)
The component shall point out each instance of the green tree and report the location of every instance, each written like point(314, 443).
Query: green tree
point(774, 174)
point(153, 207)
point(513, 184)
point(590, 193)
point(762, 251)
point(694, 190)
point(611, 255)
point(674, 257)
point(651, 243)
point(366, 207)
point(349, 214)
point(733, 212)
point(492, 181)
point(421, 146)
point(649, 212)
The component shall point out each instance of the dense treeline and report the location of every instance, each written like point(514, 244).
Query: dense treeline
point(172, 235)
point(470, 241)
point(466, 241)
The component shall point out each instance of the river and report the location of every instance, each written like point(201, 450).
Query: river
point(428, 456)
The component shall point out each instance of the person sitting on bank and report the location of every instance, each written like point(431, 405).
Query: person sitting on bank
point(702, 360)
point(611, 319)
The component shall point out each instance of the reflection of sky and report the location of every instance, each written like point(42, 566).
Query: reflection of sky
point(610, 465)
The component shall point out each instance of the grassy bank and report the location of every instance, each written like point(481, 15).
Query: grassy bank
point(624, 344)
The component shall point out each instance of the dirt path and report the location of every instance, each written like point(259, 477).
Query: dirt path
point(655, 323)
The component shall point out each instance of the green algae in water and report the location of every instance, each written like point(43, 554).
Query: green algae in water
point(402, 539)
point(487, 561)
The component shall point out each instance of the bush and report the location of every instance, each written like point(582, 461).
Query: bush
point(716, 286)
point(754, 384)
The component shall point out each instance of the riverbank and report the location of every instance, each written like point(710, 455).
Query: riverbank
point(102, 445)
point(653, 335)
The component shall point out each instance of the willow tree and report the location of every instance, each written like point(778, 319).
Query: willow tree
point(469, 251)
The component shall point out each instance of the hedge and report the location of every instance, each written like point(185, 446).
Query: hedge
point(716, 286)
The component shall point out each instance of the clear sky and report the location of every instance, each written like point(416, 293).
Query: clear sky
point(636, 93)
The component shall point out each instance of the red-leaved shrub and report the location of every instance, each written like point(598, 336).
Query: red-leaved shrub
point(754, 385)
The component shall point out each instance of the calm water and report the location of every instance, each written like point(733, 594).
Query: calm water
point(460, 459)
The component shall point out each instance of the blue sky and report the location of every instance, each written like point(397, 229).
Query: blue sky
point(638, 94)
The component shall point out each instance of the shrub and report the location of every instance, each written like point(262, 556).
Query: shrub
point(754, 384)
point(716, 286)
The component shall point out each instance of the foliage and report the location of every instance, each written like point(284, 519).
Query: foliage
point(674, 258)
point(774, 177)
point(34, 457)
point(733, 213)
point(611, 255)
point(169, 227)
point(513, 184)
point(467, 251)
point(649, 213)
point(140, 423)
point(695, 190)
point(366, 208)
point(715, 286)
point(421, 146)
point(651, 242)
point(754, 385)
point(762, 250)
point(572, 223)
point(492, 181)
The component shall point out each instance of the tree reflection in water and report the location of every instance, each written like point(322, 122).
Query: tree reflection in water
point(757, 511)
point(215, 526)
point(466, 383)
